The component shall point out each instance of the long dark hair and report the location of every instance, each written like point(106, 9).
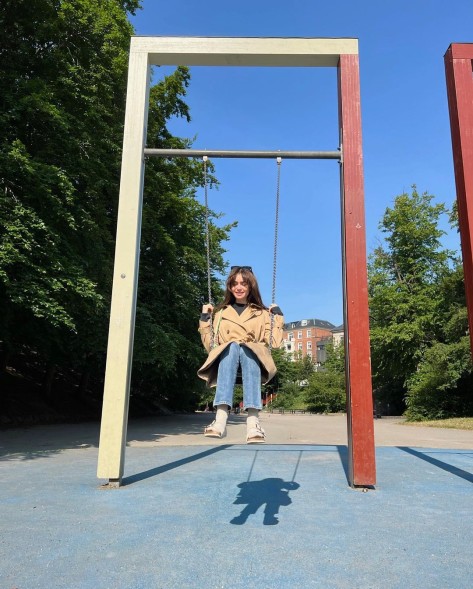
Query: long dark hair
point(254, 295)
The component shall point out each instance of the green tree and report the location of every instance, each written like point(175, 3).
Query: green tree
point(304, 368)
point(284, 384)
point(63, 66)
point(286, 368)
point(173, 267)
point(442, 384)
point(407, 301)
point(326, 388)
point(63, 69)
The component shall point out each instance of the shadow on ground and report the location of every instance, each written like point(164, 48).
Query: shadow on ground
point(41, 441)
point(427, 455)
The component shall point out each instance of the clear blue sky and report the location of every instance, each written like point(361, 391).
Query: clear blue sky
point(406, 133)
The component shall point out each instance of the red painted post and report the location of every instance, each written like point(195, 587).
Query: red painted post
point(459, 74)
point(361, 448)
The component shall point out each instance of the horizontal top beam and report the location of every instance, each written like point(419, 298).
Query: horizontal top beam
point(461, 50)
point(244, 51)
point(301, 155)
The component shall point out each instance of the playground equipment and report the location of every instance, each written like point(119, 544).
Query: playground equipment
point(459, 74)
point(239, 379)
point(259, 52)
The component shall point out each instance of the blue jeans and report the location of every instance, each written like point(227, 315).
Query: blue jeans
point(231, 357)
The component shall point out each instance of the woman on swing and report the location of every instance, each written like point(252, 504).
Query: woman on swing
point(241, 337)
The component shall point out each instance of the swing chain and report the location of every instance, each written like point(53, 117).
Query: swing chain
point(275, 254)
point(207, 241)
point(276, 228)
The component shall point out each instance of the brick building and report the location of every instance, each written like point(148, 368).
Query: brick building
point(302, 337)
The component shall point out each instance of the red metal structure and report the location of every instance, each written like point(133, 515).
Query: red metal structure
point(361, 447)
point(459, 74)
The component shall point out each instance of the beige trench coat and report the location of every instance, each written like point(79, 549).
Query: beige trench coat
point(251, 329)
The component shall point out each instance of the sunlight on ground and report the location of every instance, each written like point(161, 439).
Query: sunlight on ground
point(452, 423)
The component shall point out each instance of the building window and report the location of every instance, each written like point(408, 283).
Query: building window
point(299, 335)
point(299, 346)
point(304, 322)
point(309, 353)
point(291, 336)
point(309, 333)
point(309, 345)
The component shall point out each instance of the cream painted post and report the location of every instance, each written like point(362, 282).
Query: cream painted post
point(125, 278)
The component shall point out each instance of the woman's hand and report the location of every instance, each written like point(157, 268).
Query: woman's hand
point(207, 308)
point(273, 308)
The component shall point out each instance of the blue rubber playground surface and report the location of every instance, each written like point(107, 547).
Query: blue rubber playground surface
point(236, 517)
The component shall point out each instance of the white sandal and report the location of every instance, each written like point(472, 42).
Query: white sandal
point(211, 431)
point(255, 435)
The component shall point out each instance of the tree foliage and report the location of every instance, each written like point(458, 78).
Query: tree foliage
point(326, 390)
point(173, 267)
point(414, 297)
point(63, 66)
point(285, 387)
point(298, 385)
point(442, 384)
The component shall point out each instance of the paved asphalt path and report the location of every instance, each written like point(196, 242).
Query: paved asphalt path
point(186, 430)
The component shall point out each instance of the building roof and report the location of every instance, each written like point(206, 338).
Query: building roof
point(308, 323)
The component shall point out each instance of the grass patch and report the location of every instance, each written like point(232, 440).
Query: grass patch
point(451, 423)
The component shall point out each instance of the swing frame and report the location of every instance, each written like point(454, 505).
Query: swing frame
point(458, 62)
point(259, 52)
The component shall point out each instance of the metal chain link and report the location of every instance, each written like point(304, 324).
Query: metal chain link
point(275, 254)
point(207, 241)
